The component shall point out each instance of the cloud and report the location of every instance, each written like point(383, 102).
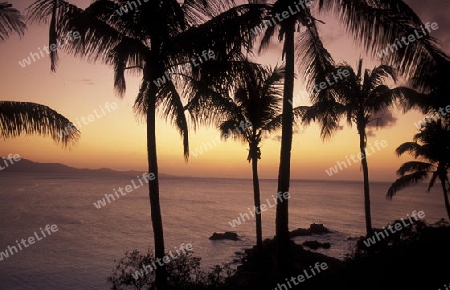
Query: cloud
point(87, 81)
point(295, 131)
point(370, 133)
point(383, 119)
point(379, 120)
point(277, 138)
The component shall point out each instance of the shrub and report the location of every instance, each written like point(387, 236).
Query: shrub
point(410, 259)
point(184, 273)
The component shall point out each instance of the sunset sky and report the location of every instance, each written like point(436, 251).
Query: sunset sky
point(117, 139)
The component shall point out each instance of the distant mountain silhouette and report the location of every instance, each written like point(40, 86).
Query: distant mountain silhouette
point(28, 166)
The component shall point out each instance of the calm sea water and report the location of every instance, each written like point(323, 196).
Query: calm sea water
point(81, 254)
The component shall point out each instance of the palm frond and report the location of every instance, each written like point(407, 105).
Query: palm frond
point(140, 106)
point(18, 118)
point(271, 84)
point(367, 19)
point(412, 148)
point(228, 130)
point(126, 55)
point(411, 99)
point(269, 33)
point(434, 84)
point(414, 166)
point(11, 21)
point(97, 37)
point(172, 108)
point(406, 181)
point(228, 43)
point(206, 106)
point(275, 123)
point(433, 180)
point(435, 137)
point(328, 113)
point(380, 98)
point(380, 75)
point(316, 62)
point(169, 104)
point(208, 91)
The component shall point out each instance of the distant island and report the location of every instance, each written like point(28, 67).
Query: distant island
point(28, 166)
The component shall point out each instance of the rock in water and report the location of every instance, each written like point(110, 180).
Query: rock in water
point(318, 229)
point(225, 236)
point(315, 245)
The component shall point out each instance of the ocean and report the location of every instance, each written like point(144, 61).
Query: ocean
point(81, 253)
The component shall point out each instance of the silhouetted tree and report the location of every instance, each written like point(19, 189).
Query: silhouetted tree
point(255, 107)
point(364, 20)
point(431, 148)
point(358, 97)
point(158, 39)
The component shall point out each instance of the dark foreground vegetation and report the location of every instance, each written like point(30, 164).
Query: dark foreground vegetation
point(415, 258)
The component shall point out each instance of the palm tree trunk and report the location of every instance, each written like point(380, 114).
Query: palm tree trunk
point(365, 168)
point(282, 214)
point(153, 185)
point(257, 201)
point(444, 188)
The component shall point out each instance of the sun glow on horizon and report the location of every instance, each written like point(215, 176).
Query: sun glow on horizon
point(117, 140)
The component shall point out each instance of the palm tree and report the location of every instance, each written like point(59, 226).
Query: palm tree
point(11, 21)
point(364, 20)
point(154, 38)
point(18, 118)
point(315, 52)
point(257, 105)
point(436, 85)
point(431, 147)
point(254, 109)
point(357, 97)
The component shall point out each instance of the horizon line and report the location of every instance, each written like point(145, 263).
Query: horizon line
point(168, 175)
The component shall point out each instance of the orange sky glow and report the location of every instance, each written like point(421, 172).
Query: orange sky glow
point(115, 138)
